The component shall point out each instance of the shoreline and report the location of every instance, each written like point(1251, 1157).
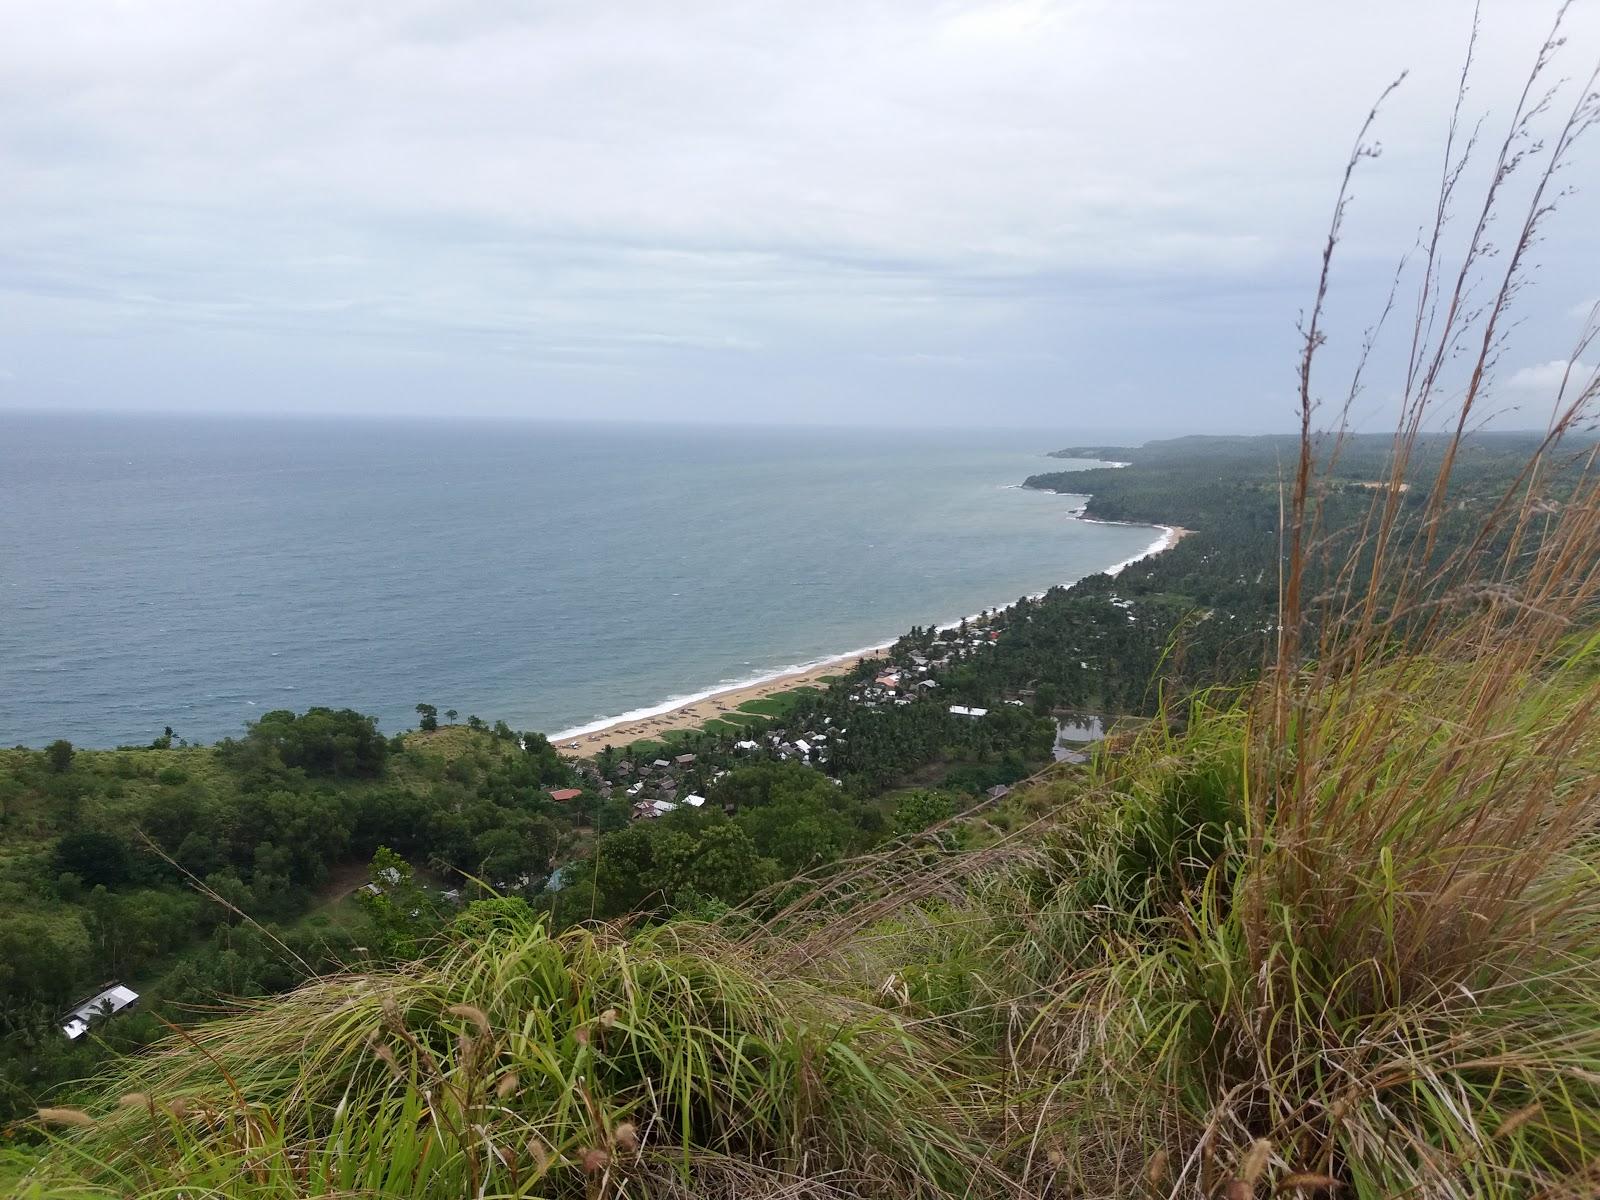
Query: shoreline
point(692, 711)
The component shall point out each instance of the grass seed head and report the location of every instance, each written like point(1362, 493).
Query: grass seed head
point(387, 1055)
point(65, 1116)
point(1517, 1120)
point(473, 1013)
point(1155, 1171)
point(539, 1155)
point(1255, 1161)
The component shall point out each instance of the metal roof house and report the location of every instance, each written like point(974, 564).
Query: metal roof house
point(108, 1003)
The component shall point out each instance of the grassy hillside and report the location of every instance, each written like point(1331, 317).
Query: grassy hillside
point(1141, 979)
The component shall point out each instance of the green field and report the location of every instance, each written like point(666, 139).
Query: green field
point(779, 705)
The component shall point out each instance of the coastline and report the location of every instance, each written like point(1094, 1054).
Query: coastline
point(693, 711)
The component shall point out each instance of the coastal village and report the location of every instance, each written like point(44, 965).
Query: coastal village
point(654, 781)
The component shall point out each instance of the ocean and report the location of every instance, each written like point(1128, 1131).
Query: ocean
point(199, 571)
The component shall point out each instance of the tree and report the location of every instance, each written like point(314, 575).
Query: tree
point(396, 907)
point(430, 718)
point(797, 833)
point(59, 753)
point(94, 856)
point(721, 863)
point(323, 741)
point(450, 715)
point(509, 853)
point(921, 809)
point(42, 958)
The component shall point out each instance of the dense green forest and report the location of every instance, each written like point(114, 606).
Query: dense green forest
point(201, 875)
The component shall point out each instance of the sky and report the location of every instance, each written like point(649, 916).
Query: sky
point(1022, 213)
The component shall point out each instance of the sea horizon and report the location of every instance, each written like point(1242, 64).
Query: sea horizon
point(603, 550)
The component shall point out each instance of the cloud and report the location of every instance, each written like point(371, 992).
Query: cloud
point(1548, 376)
point(1080, 194)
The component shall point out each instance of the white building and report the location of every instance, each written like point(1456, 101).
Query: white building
point(108, 1003)
point(961, 710)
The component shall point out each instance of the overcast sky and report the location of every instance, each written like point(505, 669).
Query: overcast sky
point(1030, 213)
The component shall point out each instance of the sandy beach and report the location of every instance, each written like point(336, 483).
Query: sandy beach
point(696, 713)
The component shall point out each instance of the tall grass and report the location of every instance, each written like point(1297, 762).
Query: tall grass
point(1338, 934)
point(520, 1064)
point(1382, 976)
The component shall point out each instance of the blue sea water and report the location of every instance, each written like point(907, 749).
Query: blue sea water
point(198, 572)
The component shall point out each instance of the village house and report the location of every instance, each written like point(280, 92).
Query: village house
point(109, 1003)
